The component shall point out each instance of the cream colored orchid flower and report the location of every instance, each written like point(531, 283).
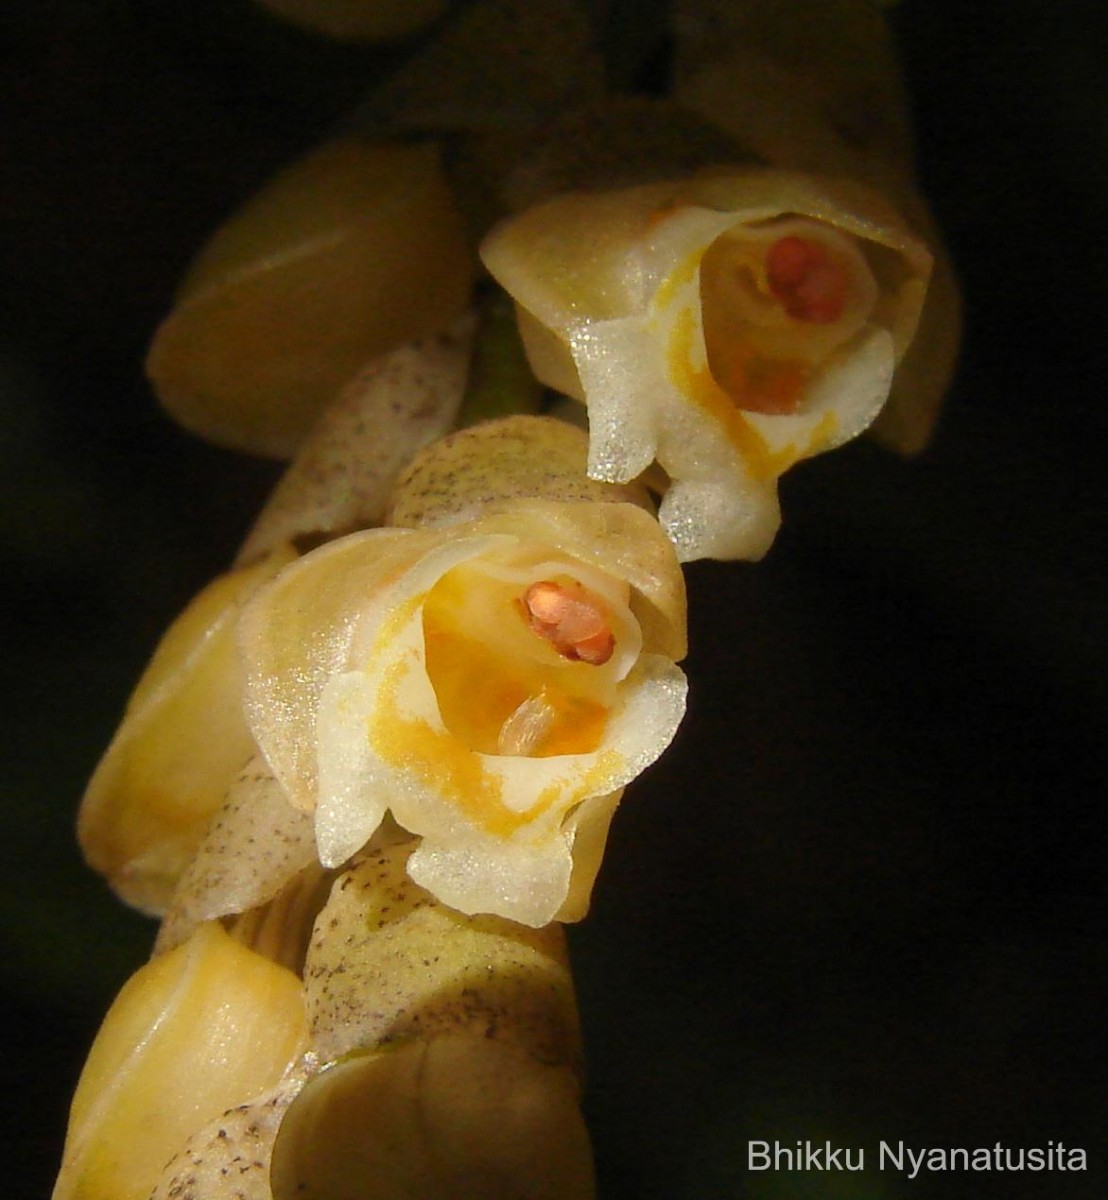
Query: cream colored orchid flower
point(823, 91)
point(493, 683)
point(726, 326)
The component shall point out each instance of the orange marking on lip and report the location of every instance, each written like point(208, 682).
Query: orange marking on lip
point(761, 385)
point(698, 384)
point(702, 388)
point(440, 761)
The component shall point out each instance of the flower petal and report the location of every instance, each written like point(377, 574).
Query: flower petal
point(298, 633)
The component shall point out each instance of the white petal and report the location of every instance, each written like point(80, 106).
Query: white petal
point(720, 518)
point(350, 808)
point(523, 883)
point(620, 367)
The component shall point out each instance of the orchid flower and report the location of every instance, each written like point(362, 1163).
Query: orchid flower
point(726, 326)
point(369, 771)
point(490, 683)
point(493, 668)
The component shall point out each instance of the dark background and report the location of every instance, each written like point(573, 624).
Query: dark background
point(863, 896)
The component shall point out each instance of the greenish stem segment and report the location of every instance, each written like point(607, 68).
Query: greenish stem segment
point(500, 380)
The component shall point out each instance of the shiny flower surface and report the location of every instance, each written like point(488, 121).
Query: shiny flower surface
point(725, 326)
point(494, 684)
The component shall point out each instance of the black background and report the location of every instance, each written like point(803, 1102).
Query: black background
point(863, 895)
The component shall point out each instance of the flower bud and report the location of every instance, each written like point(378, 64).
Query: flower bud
point(440, 1119)
point(182, 741)
point(192, 1033)
point(343, 256)
point(821, 86)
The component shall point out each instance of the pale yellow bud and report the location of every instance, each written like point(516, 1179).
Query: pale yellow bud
point(453, 1117)
point(181, 743)
point(194, 1032)
point(343, 256)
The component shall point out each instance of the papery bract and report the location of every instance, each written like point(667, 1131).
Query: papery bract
point(401, 669)
point(229, 1158)
point(387, 962)
point(345, 470)
point(727, 326)
point(254, 847)
point(514, 458)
